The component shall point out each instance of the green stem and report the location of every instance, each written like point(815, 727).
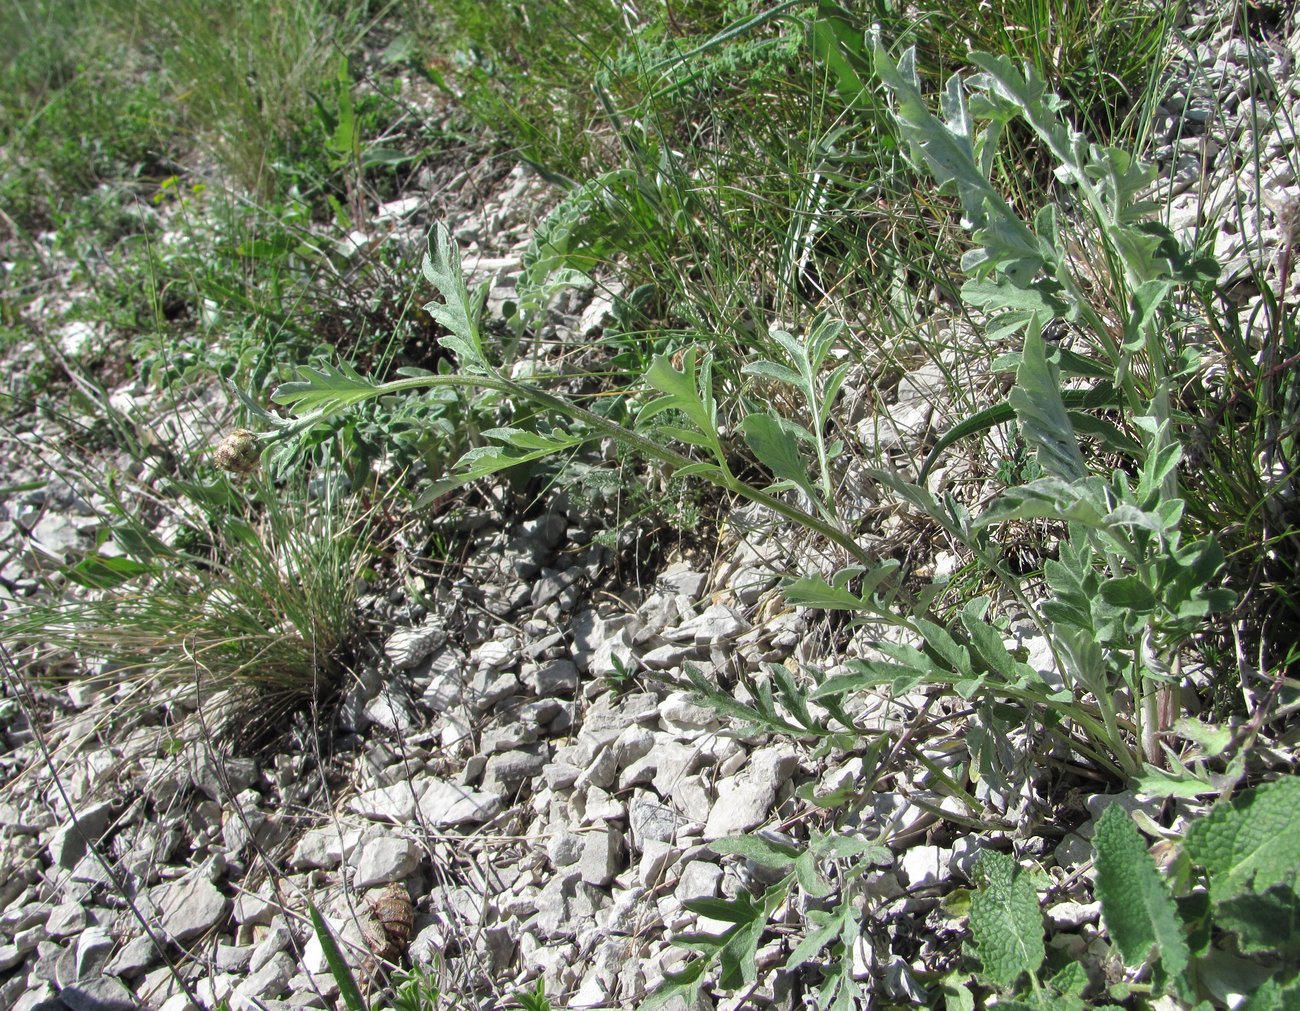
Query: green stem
point(719, 475)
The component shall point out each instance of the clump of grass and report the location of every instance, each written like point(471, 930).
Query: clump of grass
point(73, 112)
point(244, 73)
point(253, 592)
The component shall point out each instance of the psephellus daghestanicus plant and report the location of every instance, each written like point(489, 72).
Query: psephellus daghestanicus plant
point(1126, 591)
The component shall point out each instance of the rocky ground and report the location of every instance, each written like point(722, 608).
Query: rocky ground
point(518, 784)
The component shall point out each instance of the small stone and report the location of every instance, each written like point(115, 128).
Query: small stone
point(135, 957)
point(565, 903)
point(558, 678)
point(505, 772)
point(699, 880)
point(277, 939)
point(678, 713)
point(90, 870)
point(25, 916)
point(232, 957)
point(600, 806)
point(601, 771)
point(443, 804)
point(692, 800)
point(649, 819)
point(744, 800)
point(716, 623)
point(396, 803)
point(390, 710)
point(656, 857)
point(560, 775)
point(192, 907)
point(602, 857)
point(10, 955)
point(925, 865)
point(668, 656)
point(506, 737)
point(674, 761)
point(564, 848)
point(100, 993)
point(93, 947)
point(326, 846)
point(55, 538)
point(681, 578)
point(406, 647)
point(1066, 916)
point(272, 979)
point(386, 859)
point(487, 688)
point(445, 691)
point(213, 775)
point(70, 841)
point(632, 744)
point(1073, 851)
point(253, 909)
point(495, 655)
point(39, 998)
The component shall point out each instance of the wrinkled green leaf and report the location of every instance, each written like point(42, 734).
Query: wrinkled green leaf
point(1135, 902)
point(1250, 843)
point(1005, 920)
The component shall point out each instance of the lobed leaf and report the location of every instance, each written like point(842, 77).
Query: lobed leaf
point(458, 312)
point(1036, 399)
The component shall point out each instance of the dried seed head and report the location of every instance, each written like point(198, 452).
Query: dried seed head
point(237, 453)
point(395, 911)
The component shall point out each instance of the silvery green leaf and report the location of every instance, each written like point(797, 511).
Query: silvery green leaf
point(776, 444)
point(1041, 412)
point(326, 389)
point(773, 370)
point(1128, 593)
point(459, 313)
point(1049, 498)
point(761, 849)
point(816, 592)
point(684, 391)
point(1037, 106)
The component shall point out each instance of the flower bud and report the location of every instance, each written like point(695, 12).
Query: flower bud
point(237, 453)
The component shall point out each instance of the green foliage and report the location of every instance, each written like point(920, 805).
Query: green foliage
point(338, 965)
point(255, 593)
point(1221, 915)
point(1005, 921)
point(535, 999)
point(1140, 912)
point(731, 954)
point(1249, 844)
point(72, 116)
point(244, 73)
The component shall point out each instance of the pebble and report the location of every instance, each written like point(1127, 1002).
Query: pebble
point(601, 829)
point(745, 800)
point(386, 859)
point(192, 907)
